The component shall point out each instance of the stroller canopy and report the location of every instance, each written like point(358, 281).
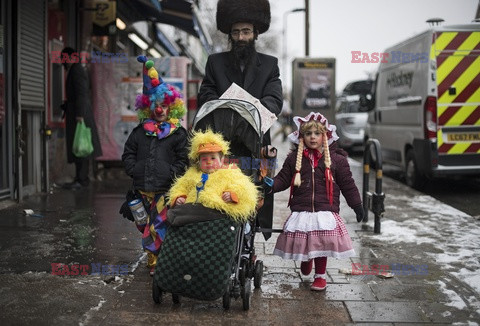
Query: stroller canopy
point(238, 121)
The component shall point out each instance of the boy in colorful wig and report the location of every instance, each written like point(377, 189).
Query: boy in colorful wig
point(156, 153)
point(214, 183)
point(316, 172)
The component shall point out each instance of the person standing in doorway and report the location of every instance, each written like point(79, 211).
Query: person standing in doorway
point(78, 108)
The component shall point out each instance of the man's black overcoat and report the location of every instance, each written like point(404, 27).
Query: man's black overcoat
point(260, 78)
point(79, 105)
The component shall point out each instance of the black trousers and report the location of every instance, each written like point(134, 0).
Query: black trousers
point(81, 170)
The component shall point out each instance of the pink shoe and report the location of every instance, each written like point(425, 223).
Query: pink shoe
point(152, 271)
point(319, 284)
point(306, 267)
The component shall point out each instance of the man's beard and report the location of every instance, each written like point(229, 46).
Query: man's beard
point(242, 52)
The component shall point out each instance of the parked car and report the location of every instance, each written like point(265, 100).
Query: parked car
point(349, 119)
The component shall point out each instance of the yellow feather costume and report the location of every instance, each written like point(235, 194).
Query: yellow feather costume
point(227, 178)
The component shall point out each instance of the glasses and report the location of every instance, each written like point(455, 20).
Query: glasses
point(244, 32)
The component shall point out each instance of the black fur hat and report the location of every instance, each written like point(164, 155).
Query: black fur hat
point(256, 12)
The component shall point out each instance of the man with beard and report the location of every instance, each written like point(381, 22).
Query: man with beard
point(257, 73)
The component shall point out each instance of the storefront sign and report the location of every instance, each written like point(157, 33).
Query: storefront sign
point(104, 17)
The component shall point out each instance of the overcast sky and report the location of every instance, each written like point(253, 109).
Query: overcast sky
point(338, 27)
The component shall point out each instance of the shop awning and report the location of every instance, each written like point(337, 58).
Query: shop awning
point(178, 13)
point(166, 43)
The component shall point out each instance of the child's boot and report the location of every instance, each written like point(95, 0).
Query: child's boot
point(306, 267)
point(151, 262)
point(319, 283)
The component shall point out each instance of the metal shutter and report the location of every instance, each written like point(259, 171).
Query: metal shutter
point(31, 49)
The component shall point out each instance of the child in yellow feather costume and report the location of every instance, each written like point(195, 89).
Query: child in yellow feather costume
point(213, 183)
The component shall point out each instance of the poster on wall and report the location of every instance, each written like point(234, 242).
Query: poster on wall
point(314, 86)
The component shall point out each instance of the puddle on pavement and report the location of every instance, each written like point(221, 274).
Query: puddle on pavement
point(75, 228)
point(280, 285)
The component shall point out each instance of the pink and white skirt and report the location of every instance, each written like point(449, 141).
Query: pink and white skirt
point(308, 235)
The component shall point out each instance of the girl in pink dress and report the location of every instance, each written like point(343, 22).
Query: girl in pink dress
point(316, 172)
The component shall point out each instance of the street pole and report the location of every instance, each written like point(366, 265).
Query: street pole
point(307, 23)
point(284, 38)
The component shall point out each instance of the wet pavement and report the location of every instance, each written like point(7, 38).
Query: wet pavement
point(84, 228)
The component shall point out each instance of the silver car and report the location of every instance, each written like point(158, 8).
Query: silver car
point(350, 122)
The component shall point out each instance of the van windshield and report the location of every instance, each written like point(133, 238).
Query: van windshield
point(359, 87)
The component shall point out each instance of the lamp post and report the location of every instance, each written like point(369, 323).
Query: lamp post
point(284, 42)
point(307, 28)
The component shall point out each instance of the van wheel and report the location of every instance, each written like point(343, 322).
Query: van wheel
point(413, 177)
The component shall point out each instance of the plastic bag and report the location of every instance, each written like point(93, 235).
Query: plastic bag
point(82, 142)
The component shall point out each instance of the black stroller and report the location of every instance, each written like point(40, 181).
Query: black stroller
point(206, 255)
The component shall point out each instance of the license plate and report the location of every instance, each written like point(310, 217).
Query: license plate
point(464, 137)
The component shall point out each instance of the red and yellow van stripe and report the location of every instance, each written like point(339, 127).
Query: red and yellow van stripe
point(457, 55)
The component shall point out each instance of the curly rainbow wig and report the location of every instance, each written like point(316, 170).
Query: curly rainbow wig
point(156, 90)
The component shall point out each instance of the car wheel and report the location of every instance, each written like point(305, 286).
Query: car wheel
point(413, 177)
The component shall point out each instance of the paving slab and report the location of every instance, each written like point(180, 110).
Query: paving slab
point(450, 312)
point(409, 292)
point(395, 312)
point(349, 292)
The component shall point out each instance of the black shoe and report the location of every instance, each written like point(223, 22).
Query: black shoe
point(73, 185)
point(68, 185)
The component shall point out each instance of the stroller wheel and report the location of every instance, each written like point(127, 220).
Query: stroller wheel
point(227, 297)
point(257, 280)
point(156, 292)
point(175, 298)
point(246, 293)
point(242, 272)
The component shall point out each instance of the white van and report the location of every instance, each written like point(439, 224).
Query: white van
point(425, 106)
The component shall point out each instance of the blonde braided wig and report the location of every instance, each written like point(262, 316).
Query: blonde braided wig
point(298, 164)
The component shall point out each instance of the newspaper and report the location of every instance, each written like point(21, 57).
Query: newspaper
point(238, 93)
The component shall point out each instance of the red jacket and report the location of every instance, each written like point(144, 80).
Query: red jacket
point(311, 195)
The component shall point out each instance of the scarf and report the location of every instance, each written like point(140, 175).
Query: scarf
point(313, 155)
point(201, 184)
point(160, 130)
